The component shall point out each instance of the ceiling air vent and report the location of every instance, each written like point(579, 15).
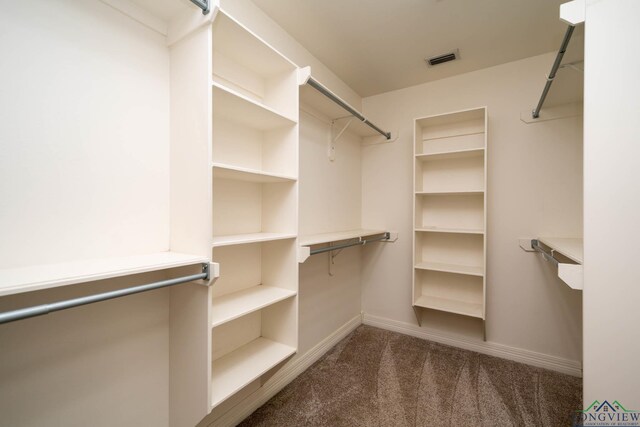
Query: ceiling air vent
point(442, 58)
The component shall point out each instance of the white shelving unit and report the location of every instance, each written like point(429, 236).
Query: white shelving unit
point(255, 196)
point(33, 278)
point(234, 135)
point(450, 167)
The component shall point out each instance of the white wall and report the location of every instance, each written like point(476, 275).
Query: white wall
point(84, 173)
point(612, 203)
point(329, 201)
point(103, 365)
point(534, 189)
point(84, 93)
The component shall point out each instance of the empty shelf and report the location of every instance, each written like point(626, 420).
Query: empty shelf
point(572, 248)
point(240, 239)
point(224, 171)
point(26, 279)
point(237, 369)
point(450, 305)
point(449, 230)
point(455, 154)
point(449, 193)
point(240, 109)
point(317, 239)
point(237, 304)
point(451, 268)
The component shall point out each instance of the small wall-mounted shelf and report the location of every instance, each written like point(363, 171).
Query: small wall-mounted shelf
point(358, 237)
point(569, 262)
point(33, 278)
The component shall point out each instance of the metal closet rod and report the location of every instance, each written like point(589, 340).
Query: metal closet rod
point(39, 310)
point(202, 4)
point(385, 236)
point(554, 69)
point(332, 96)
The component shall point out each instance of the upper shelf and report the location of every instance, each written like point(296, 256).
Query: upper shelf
point(572, 248)
point(237, 107)
point(317, 239)
point(26, 279)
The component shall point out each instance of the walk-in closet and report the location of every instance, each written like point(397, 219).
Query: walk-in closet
point(290, 213)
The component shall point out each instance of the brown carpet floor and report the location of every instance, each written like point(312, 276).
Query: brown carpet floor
point(379, 378)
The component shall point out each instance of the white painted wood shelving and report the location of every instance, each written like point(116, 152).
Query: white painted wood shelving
point(235, 182)
point(570, 272)
point(38, 277)
point(307, 241)
point(450, 213)
point(255, 193)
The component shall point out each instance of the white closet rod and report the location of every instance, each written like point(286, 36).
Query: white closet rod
point(39, 310)
point(335, 98)
point(563, 48)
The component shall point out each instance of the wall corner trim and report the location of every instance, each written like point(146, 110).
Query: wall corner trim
point(285, 376)
point(540, 360)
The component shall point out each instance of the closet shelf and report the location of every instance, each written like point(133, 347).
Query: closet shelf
point(572, 248)
point(451, 268)
point(26, 279)
point(232, 306)
point(450, 305)
point(224, 171)
point(240, 109)
point(318, 239)
point(454, 154)
point(237, 369)
point(449, 230)
point(449, 193)
point(240, 239)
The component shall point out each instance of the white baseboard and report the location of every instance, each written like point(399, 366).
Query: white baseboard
point(554, 363)
point(284, 377)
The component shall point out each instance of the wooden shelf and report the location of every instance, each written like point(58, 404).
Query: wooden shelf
point(455, 154)
point(448, 230)
point(237, 369)
point(231, 306)
point(572, 248)
point(317, 239)
point(451, 268)
point(27, 279)
point(224, 171)
point(450, 306)
point(241, 239)
point(449, 193)
point(240, 109)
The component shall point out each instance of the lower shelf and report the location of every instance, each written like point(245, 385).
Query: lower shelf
point(450, 306)
point(450, 268)
point(234, 305)
point(239, 368)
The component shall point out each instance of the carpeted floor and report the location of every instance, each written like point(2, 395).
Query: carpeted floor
point(380, 378)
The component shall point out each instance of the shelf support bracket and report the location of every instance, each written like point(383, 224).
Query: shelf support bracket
point(334, 139)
